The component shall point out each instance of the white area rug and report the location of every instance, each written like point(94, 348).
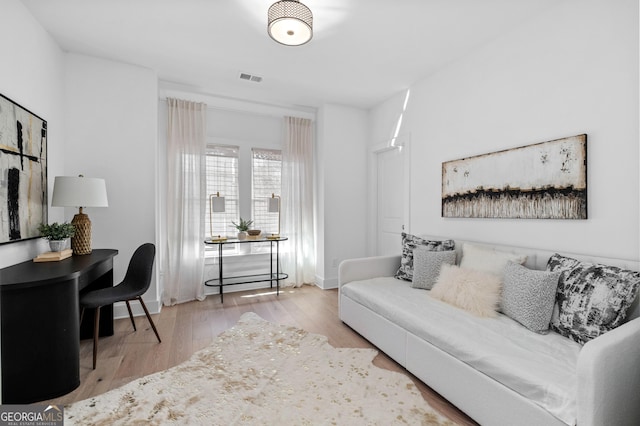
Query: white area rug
point(259, 373)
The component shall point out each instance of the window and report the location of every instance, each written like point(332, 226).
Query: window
point(222, 177)
point(266, 171)
point(246, 178)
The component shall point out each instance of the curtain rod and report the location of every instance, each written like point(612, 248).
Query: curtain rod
point(278, 111)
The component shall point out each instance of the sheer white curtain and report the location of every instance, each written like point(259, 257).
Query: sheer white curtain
point(186, 198)
point(298, 260)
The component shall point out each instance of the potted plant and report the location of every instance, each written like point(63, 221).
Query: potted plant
point(58, 234)
point(242, 227)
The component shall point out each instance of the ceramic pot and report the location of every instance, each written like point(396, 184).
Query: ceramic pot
point(242, 235)
point(58, 245)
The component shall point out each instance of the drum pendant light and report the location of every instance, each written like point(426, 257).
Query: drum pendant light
point(290, 23)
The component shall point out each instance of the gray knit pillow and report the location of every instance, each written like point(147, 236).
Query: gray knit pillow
point(409, 243)
point(528, 296)
point(426, 266)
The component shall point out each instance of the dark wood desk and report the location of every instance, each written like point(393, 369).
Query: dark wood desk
point(40, 323)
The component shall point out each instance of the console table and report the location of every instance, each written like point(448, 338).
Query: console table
point(221, 281)
point(40, 323)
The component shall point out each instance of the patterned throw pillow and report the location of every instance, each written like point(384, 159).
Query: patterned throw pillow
point(528, 296)
point(426, 266)
point(592, 298)
point(409, 242)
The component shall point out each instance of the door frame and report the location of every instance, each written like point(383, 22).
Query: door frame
point(402, 142)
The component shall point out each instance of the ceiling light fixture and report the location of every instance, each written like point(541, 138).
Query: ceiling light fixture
point(290, 23)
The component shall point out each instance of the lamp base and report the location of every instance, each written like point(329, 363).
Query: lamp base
point(81, 241)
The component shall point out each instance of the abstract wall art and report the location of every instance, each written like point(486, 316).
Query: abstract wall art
point(23, 172)
point(546, 180)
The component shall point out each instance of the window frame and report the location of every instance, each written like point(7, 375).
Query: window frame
point(229, 188)
point(245, 193)
point(266, 162)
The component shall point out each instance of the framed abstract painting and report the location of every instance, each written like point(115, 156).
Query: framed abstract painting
point(23, 172)
point(546, 180)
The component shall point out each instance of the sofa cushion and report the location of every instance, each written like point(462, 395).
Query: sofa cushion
point(528, 296)
point(409, 243)
point(487, 259)
point(477, 292)
point(540, 367)
point(427, 264)
point(591, 298)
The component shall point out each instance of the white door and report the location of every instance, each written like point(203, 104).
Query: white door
point(392, 200)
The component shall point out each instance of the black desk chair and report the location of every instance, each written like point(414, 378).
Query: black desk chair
point(136, 282)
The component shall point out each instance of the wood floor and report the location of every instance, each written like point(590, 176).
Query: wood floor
point(188, 327)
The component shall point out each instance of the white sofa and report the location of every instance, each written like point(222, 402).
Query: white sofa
point(606, 371)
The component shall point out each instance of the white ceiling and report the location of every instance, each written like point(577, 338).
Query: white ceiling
point(362, 51)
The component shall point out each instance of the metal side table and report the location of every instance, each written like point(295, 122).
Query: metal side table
point(272, 277)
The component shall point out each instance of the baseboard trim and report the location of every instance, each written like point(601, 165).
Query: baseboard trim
point(120, 308)
point(326, 284)
point(155, 306)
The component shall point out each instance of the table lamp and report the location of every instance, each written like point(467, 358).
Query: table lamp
point(274, 207)
point(217, 206)
point(70, 191)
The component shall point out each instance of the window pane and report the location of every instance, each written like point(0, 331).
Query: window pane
point(222, 177)
point(266, 173)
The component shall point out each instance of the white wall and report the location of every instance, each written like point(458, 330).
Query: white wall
point(246, 130)
point(230, 122)
point(572, 70)
point(102, 122)
point(341, 190)
point(31, 75)
point(111, 119)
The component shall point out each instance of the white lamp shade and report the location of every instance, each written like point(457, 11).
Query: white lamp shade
point(71, 191)
point(217, 204)
point(274, 204)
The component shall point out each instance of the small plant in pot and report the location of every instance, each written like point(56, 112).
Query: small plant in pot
point(58, 234)
point(242, 227)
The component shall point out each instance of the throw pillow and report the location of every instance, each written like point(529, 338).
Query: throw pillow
point(488, 259)
point(410, 242)
point(528, 296)
point(474, 291)
point(426, 266)
point(591, 298)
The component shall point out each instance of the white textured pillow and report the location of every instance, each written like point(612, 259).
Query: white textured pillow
point(477, 292)
point(488, 259)
point(426, 266)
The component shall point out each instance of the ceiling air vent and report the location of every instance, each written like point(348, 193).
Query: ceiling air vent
point(249, 77)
